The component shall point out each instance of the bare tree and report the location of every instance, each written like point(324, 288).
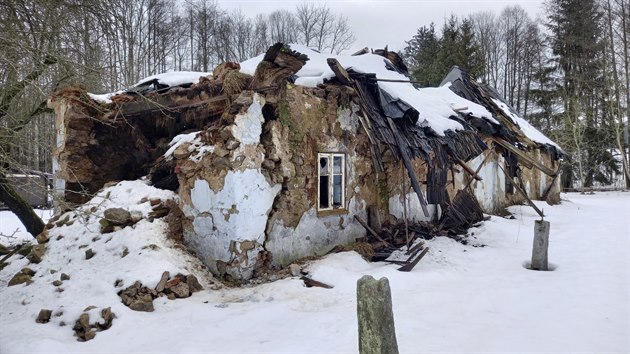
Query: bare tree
point(282, 27)
point(342, 36)
point(307, 20)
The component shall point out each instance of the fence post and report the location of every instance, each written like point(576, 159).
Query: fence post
point(541, 245)
point(377, 334)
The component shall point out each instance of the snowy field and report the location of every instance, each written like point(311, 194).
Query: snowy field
point(458, 299)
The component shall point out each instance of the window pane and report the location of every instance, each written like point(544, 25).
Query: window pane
point(337, 189)
point(323, 166)
point(337, 164)
point(324, 192)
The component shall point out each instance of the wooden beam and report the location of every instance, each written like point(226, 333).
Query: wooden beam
point(410, 172)
point(523, 156)
point(523, 193)
point(468, 169)
point(166, 104)
point(409, 266)
point(477, 170)
point(341, 73)
point(369, 229)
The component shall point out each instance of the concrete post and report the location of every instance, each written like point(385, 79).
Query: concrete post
point(541, 245)
point(377, 334)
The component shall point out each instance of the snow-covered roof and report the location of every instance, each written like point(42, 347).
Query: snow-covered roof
point(435, 105)
point(175, 78)
point(462, 83)
point(170, 79)
point(529, 130)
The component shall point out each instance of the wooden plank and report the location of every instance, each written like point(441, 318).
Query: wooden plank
point(408, 267)
point(468, 169)
point(311, 283)
point(477, 170)
point(341, 73)
point(410, 172)
point(521, 155)
point(369, 229)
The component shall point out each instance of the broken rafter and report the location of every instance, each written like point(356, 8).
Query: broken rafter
point(410, 172)
point(343, 76)
point(523, 157)
point(369, 229)
point(468, 169)
point(166, 104)
point(477, 171)
point(409, 266)
point(523, 193)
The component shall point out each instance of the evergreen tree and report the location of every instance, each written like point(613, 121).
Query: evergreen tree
point(431, 57)
point(421, 54)
point(576, 43)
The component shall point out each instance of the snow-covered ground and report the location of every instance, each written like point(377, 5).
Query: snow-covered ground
point(458, 298)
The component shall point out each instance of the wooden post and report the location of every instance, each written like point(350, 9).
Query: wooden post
point(541, 245)
point(377, 334)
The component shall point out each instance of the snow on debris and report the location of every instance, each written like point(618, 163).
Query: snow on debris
point(173, 78)
point(105, 97)
point(529, 130)
point(140, 252)
point(435, 105)
point(195, 147)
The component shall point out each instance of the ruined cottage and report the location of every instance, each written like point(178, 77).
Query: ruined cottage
point(280, 157)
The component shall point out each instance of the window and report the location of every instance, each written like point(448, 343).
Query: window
point(331, 175)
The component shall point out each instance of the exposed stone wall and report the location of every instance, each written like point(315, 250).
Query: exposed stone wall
point(225, 196)
point(316, 121)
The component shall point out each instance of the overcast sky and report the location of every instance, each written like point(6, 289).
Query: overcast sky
point(377, 23)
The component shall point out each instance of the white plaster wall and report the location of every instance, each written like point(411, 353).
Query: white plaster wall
point(414, 209)
point(314, 235)
point(222, 220)
point(487, 190)
point(543, 183)
point(248, 126)
point(237, 213)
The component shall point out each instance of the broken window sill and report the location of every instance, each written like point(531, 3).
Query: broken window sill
point(340, 211)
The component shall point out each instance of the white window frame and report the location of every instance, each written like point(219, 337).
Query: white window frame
point(329, 169)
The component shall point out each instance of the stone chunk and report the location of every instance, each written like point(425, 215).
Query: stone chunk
point(44, 316)
point(182, 151)
point(89, 254)
point(180, 290)
point(28, 271)
point(19, 278)
point(142, 303)
point(162, 283)
point(82, 329)
point(106, 226)
point(108, 319)
point(57, 283)
point(117, 216)
point(193, 283)
point(36, 254)
point(64, 276)
point(42, 237)
point(296, 270)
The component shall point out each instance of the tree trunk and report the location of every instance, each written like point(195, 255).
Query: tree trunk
point(33, 223)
